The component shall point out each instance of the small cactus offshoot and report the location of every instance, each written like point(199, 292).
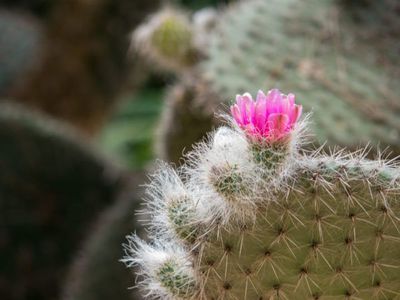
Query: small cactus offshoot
point(251, 216)
point(167, 40)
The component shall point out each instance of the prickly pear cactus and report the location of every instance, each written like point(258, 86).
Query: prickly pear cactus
point(341, 61)
point(52, 186)
point(252, 217)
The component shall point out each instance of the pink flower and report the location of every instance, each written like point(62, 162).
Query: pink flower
point(271, 117)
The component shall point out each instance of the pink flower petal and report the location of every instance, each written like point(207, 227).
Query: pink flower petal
point(278, 123)
point(270, 117)
point(236, 114)
point(295, 114)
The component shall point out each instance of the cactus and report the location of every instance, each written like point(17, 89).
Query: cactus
point(96, 273)
point(342, 60)
point(52, 185)
point(252, 216)
point(167, 40)
point(20, 37)
point(180, 112)
point(80, 81)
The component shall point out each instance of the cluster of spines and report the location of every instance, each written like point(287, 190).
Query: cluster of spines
point(327, 227)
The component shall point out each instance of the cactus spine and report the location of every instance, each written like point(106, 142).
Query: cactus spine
point(244, 219)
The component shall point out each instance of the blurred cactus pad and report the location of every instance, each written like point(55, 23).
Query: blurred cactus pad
point(52, 185)
point(343, 63)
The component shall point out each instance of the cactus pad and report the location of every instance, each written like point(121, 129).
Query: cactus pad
point(292, 225)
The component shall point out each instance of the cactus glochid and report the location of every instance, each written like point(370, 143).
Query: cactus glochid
point(250, 216)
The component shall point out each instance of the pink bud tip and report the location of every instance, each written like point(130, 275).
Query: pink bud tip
point(271, 117)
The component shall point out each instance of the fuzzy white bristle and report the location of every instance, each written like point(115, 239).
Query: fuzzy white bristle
point(150, 260)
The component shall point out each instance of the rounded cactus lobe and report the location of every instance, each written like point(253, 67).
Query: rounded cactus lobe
point(181, 215)
point(176, 280)
point(172, 38)
point(227, 181)
point(167, 41)
point(165, 271)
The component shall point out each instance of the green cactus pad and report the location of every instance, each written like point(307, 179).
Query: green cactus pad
point(341, 63)
point(325, 239)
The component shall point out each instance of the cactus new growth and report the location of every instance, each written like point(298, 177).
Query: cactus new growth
point(167, 40)
point(252, 216)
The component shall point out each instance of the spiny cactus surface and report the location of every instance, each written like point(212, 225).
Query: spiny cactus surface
point(52, 185)
point(252, 217)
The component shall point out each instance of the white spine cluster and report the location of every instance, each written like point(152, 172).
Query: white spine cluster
point(157, 262)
